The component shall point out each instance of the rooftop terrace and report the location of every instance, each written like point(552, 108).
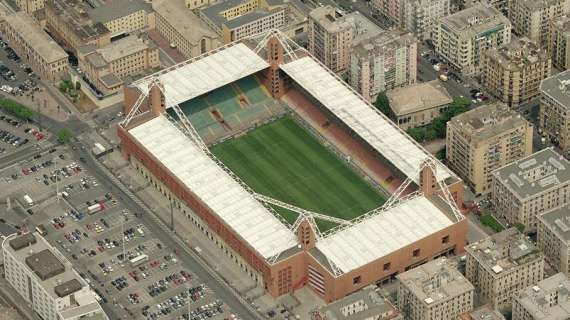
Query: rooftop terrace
point(475, 20)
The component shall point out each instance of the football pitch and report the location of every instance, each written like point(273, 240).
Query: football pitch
point(284, 161)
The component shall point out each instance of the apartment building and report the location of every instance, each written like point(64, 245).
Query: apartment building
point(554, 115)
point(528, 187)
point(483, 313)
point(549, 299)
point(46, 280)
point(484, 139)
point(183, 29)
point(558, 42)
point(501, 5)
point(76, 24)
point(30, 6)
point(417, 16)
point(513, 72)
point(434, 291)
point(35, 46)
point(236, 19)
point(386, 61)
point(463, 37)
point(367, 303)
point(531, 18)
point(501, 265)
point(553, 238)
point(106, 68)
point(197, 4)
point(417, 105)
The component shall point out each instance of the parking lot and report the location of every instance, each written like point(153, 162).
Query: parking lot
point(16, 77)
point(134, 274)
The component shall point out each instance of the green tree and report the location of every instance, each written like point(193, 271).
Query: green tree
point(418, 134)
point(383, 104)
point(439, 125)
point(520, 226)
point(77, 85)
point(16, 109)
point(441, 154)
point(64, 135)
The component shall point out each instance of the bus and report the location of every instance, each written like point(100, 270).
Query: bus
point(138, 260)
point(28, 200)
point(41, 230)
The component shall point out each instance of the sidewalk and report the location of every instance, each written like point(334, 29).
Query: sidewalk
point(43, 102)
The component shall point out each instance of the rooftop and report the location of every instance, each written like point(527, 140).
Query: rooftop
point(488, 121)
point(383, 41)
point(370, 300)
point(189, 25)
point(562, 23)
point(116, 9)
point(504, 251)
point(558, 88)
point(539, 4)
point(534, 174)
point(124, 47)
point(418, 97)
point(216, 13)
point(43, 44)
point(44, 264)
point(74, 14)
point(362, 28)
point(518, 54)
point(548, 300)
point(558, 221)
point(475, 20)
point(483, 313)
point(436, 281)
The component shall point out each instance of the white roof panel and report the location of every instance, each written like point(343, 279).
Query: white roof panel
point(365, 120)
point(227, 198)
point(194, 78)
point(375, 237)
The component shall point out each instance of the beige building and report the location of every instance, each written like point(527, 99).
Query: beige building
point(434, 291)
point(367, 303)
point(183, 29)
point(384, 62)
point(554, 119)
point(554, 238)
point(484, 139)
point(483, 313)
point(30, 6)
point(76, 24)
point(197, 4)
point(549, 299)
point(107, 67)
point(463, 37)
point(417, 105)
point(35, 46)
point(531, 18)
point(501, 265)
point(46, 280)
point(526, 188)
point(558, 42)
point(513, 72)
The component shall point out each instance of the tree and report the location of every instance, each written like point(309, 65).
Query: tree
point(19, 111)
point(64, 135)
point(383, 104)
point(520, 226)
point(439, 125)
point(418, 134)
point(77, 85)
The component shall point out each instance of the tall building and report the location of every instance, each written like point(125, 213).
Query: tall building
point(417, 105)
point(332, 37)
point(35, 46)
point(463, 37)
point(520, 194)
point(513, 72)
point(183, 29)
point(367, 303)
point(434, 291)
point(554, 116)
point(106, 68)
point(484, 139)
point(553, 238)
point(384, 62)
point(531, 18)
point(558, 42)
point(30, 6)
point(483, 313)
point(549, 299)
point(501, 265)
point(46, 280)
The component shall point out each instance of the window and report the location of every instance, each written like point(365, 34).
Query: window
point(387, 266)
point(445, 239)
point(356, 280)
point(416, 253)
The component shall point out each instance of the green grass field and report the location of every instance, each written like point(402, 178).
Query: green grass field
point(283, 161)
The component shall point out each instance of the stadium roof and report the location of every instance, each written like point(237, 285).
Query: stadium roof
point(195, 77)
point(382, 234)
point(370, 124)
point(209, 182)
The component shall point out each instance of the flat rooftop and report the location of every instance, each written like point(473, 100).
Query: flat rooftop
point(362, 28)
point(216, 12)
point(534, 174)
point(558, 88)
point(475, 20)
point(504, 251)
point(45, 264)
point(184, 21)
point(518, 54)
point(73, 13)
point(373, 303)
point(548, 300)
point(418, 97)
point(116, 9)
point(483, 313)
point(436, 281)
point(558, 221)
point(124, 47)
point(562, 23)
point(383, 41)
point(34, 36)
point(539, 4)
point(488, 121)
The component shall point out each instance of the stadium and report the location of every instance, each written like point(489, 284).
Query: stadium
point(289, 171)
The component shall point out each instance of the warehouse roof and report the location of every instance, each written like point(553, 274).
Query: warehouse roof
point(193, 78)
point(371, 125)
point(215, 187)
point(418, 97)
point(384, 233)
